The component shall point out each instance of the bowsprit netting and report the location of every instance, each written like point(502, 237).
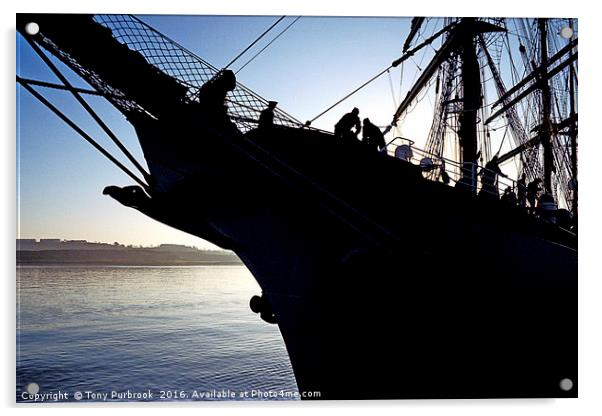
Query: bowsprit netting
point(169, 62)
point(189, 69)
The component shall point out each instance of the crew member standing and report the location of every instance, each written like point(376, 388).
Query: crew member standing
point(533, 190)
point(372, 136)
point(343, 129)
point(266, 118)
point(489, 178)
point(212, 97)
point(521, 187)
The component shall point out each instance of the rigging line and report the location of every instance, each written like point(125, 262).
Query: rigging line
point(60, 87)
point(392, 90)
point(266, 46)
point(502, 143)
point(254, 42)
point(423, 54)
point(514, 72)
point(401, 81)
point(348, 95)
point(82, 133)
point(87, 107)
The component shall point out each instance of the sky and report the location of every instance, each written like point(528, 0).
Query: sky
point(310, 67)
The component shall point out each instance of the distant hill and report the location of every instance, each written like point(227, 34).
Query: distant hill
point(81, 252)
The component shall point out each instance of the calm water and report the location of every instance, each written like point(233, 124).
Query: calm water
point(186, 331)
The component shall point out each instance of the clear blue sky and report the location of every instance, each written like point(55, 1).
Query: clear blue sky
point(318, 61)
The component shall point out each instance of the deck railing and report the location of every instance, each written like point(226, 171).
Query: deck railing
point(436, 167)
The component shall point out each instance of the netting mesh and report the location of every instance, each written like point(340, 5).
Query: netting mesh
point(118, 98)
point(189, 70)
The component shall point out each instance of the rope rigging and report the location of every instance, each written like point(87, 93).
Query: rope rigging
point(76, 94)
point(308, 123)
point(82, 133)
point(407, 55)
point(244, 105)
point(392, 90)
point(268, 45)
point(254, 42)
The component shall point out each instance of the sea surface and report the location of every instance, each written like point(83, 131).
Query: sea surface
point(145, 333)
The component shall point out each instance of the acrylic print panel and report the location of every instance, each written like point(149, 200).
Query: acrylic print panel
point(296, 208)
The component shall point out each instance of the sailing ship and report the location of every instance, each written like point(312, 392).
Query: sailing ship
point(451, 294)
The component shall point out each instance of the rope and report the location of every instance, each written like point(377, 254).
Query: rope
point(254, 42)
point(190, 69)
point(86, 106)
point(60, 87)
point(266, 46)
point(401, 81)
point(392, 90)
point(502, 143)
point(406, 55)
point(81, 132)
point(348, 95)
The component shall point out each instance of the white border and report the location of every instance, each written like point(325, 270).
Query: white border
point(590, 275)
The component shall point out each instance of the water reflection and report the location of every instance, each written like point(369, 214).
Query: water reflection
point(139, 328)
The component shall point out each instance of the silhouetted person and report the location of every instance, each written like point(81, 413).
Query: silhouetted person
point(343, 129)
point(212, 96)
point(266, 118)
point(372, 136)
point(521, 188)
point(509, 197)
point(489, 178)
point(533, 190)
point(443, 173)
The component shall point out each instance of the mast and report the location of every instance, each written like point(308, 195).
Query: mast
point(573, 130)
point(461, 41)
point(472, 100)
point(546, 108)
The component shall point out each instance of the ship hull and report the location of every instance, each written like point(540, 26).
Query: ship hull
point(384, 285)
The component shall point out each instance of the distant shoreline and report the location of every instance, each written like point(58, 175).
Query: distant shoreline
point(126, 257)
point(66, 264)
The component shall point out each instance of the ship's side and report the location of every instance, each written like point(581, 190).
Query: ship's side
point(383, 284)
